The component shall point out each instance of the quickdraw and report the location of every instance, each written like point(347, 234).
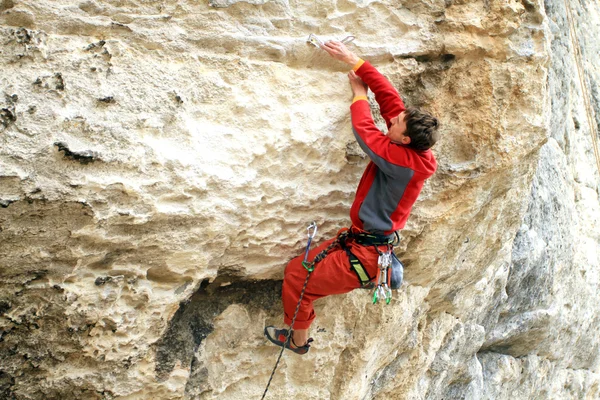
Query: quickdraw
point(382, 287)
point(310, 267)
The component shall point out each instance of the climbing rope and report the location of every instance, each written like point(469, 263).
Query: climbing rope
point(310, 267)
point(580, 73)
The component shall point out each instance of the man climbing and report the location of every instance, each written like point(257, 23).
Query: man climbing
point(400, 163)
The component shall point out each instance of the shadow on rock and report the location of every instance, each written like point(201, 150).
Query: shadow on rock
point(193, 322)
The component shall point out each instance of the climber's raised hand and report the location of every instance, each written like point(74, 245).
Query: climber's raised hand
point(339, 51)
point(359, 88)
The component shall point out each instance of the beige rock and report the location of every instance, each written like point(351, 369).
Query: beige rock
point(160, 161)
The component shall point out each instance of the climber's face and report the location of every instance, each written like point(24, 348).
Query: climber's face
point(397, 132)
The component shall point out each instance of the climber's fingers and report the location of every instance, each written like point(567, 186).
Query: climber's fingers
point(336, 50)
point(333, 45)
point(329, 47)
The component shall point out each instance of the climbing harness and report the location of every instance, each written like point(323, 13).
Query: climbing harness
point(382, 288)
point(394, 270)
point(315, 41)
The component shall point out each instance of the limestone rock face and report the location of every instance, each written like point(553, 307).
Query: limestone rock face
point(160, 161)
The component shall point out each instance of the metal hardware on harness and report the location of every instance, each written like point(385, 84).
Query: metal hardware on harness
point(382, 287)
point(315, 41)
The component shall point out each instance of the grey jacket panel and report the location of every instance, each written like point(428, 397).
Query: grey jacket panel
point(382, 200)
point(384, 194)
point(387, 167)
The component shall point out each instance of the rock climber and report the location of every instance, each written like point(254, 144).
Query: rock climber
point(400, 162)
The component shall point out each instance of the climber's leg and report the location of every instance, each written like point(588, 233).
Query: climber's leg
point(299, 337)
point(330, 276)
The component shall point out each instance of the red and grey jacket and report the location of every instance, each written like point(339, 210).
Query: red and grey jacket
point(394, 178)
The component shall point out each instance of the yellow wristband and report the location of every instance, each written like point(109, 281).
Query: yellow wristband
point(357, 98)
point(358, 64)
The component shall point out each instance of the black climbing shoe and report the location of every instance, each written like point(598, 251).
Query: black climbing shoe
point(278, 337)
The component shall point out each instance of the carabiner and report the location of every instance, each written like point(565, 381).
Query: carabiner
point(313, 225)
point(311, 235)
point(348, 39)
point(314, 40)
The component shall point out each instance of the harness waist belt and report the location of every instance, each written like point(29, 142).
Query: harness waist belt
point(370, 239)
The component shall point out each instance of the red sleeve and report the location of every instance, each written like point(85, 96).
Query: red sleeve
point(390, 103)
point(378, 146)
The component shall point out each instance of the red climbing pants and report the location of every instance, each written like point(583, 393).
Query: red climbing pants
point(333, 275)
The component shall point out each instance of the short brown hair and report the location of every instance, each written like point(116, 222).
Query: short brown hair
point(422, 128)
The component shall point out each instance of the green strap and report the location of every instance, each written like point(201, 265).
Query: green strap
point(360, 270)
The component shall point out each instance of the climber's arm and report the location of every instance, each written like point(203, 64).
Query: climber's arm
point(380, 149)
point(390, 103)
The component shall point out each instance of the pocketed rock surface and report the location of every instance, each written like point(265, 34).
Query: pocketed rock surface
point(160, 161)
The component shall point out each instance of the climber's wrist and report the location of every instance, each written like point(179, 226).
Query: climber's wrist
point(352, 59)
point(359, 92)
